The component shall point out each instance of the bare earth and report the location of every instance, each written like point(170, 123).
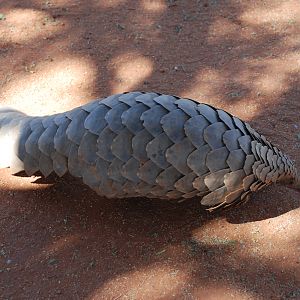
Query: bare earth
point(59, 240)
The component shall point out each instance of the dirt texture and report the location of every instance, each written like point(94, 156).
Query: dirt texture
point(59, 240)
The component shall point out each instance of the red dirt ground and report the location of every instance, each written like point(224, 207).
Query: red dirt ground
point(59, 240)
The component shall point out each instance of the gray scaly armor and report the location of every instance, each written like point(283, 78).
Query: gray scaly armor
point(147, 145)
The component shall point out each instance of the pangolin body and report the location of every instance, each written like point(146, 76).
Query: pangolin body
point(142, 144)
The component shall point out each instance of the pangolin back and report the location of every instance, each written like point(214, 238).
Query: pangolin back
point(147, 145)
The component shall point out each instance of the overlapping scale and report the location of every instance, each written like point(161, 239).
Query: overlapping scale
point(152, 145)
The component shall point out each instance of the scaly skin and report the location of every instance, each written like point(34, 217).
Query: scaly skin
point(147, 144)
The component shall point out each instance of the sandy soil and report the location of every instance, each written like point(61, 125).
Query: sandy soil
point(59, 240)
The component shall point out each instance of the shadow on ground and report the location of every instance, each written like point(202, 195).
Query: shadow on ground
point(60, 240)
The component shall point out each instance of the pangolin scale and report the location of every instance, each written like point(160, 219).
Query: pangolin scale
point(142, 144)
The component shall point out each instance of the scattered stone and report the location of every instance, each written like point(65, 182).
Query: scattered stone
point(160, 252)
point(120, 26)
point(52, 261)
point(92, 264)
point(178, 28)
point(235, 94)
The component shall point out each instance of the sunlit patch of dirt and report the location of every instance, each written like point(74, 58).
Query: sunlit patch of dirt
point(22, 26)
point(110, 3)
point(20, 182)
point(276, 12)
point(51, 86)
point(130, 70)
point(151, 282)
point(276, 72)
point(154, 5)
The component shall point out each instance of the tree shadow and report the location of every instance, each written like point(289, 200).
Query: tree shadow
point(224, 64)
point(66, 242)
point(75, 243)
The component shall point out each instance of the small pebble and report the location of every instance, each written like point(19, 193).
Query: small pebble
point(52, 261)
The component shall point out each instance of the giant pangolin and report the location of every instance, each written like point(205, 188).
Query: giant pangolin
point(142, 144)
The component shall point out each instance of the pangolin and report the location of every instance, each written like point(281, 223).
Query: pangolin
point(146, 144)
